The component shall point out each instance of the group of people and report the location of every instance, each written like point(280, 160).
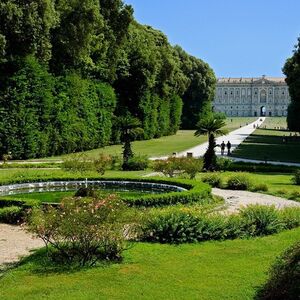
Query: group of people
point(223, 146)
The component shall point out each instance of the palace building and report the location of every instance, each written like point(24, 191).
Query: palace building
point(244, 97)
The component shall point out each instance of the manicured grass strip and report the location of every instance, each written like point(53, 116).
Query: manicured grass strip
point(208, 271)
point(268, 144)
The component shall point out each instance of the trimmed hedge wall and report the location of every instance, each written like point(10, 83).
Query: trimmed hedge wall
point(196, 192)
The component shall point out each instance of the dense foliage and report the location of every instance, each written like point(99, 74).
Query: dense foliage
point(284, 277)
point(67, 67)
point(292, 71)
point(81, 230)
point(186, 227)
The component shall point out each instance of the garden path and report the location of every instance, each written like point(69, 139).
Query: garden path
point(15, 242)
point(234, 200)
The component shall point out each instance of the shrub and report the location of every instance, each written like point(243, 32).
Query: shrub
point(284, 277)
point(11, 214)
point(281, 192)
point(261, 187)
point(78, 162)
point(81, 230)
point(239, 182)
point(295, 195)
point(137, 163)
point(191, 166)
point(296, 178)
point(224, 163)
point(169, 167)
point(102, 163)
point(185, 227)
point(260, 220)
point(290, 217)
point(86, 192)
point(81, 163)
point(178, 165)
point(182, 227)
point(213, 179)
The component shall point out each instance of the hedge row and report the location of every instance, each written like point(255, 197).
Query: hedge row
point(182, 227)
point(261, 167)
point(196, 192)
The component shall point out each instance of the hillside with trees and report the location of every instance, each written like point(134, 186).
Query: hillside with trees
point(69, 69)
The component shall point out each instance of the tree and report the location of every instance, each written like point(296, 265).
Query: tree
point(200, 88)
point(212, 126)
point(292, 71)
point(130, 129)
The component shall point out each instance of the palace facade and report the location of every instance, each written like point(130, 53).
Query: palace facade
point(244, 97)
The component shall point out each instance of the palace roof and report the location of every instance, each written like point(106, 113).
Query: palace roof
point(262, 79)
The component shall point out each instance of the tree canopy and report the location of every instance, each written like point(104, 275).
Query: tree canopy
point(292, 71)
point(67, 67)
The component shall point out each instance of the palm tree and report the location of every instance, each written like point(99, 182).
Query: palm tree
point(130, 129)
point(212, 126)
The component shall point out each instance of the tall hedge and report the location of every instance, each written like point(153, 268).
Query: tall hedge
point(67, 67)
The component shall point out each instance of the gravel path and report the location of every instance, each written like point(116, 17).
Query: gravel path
point(15, 242)
point(234, 200)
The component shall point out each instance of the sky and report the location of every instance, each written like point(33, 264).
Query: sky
point(238, 38)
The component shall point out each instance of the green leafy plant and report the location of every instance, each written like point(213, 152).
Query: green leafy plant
point(239, 181)
point(260, 220)
point(210, 125)
point(261, 187)
point(137, 163)
point(296, 178)
point(284, 277)
point(11, 214)
point(81, 230)
point(178, 165)
point(102, 163)
point(213, 179)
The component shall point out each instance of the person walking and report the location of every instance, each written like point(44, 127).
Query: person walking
point(222, 148)
point(228, 148)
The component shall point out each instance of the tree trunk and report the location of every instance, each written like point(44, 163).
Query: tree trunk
point(210, 159)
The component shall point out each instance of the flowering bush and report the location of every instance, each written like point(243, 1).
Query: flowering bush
point(82, 230)
point(178, 165)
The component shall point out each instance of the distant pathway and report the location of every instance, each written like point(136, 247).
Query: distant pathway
point(234, 200)
point(235, 137)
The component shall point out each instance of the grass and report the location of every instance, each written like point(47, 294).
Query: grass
point(164, 146)
point(268, 144)
point(235, 122)
point(57, 196)
point(207, 271)
point(275, 122)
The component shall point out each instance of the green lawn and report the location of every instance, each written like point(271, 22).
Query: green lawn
point(207, 271)
point(57, 196)
point(272, 122)
point(268, 143)
point(235, 122)
point(183, 140)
